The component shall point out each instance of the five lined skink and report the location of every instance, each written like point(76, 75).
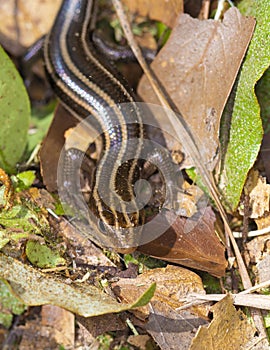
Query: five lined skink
point(90, 88)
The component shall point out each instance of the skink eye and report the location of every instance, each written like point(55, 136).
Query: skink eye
point(101, 226)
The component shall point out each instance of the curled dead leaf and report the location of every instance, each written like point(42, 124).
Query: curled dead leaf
point(198, 247)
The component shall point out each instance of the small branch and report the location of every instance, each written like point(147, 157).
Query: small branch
point(249, 300)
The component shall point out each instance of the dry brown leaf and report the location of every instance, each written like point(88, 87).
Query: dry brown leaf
point(141, 341)
point(33, 338)
point(59, 324)
point(23, 22)
point(198, 248)
point(257, 248)
point(173, 283)
point(170, 328)
point(259, 192)
point(97, 325)
point(263, 222)
point(164, 11)
point(197, 67)
point(230, 329)
point(263, 269)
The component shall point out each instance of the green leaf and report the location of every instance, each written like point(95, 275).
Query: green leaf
point(146, 297)
point(6, 236)
point(4, 239)
point(9, 305)
point(22, 218)
point(24, 180)
point(267, 320)
point(246, 125)
point(263, 94)
point(42, 256)
point(14, 114)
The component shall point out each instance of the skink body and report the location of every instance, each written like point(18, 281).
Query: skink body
point(89, 87)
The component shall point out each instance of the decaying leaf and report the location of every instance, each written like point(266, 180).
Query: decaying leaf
point(230, 329)
point(9, 305)
point(246, 125)
point(23, 22)
point(259, 192)
point(141, 341)
point(53, 328)
point(97, 325)
point(257, 248)
point(159, 10)
point(258, 258)
point(59, 323)
point(36, 288)
point(197, 67)
point(263, 268)
point(173, 330)
point(198, 247)
point(173, 283)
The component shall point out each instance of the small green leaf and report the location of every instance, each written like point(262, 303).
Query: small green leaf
point(4, 239)
point(14, 114)
point(9, 305)
point(7, 236)
point(246, 125)
point(267, 320)
point(42, 256)
point(23, 180)
point(146, 297)
point(22, 218)
point(163, 33)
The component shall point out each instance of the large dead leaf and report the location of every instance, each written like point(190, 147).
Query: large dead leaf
point(160, 10)
point(197, 67)
point(229, 329)
point(173, 283)
point(198, 248)
point(36, 288)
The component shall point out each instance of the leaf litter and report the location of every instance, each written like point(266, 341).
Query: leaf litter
point(165, 309)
